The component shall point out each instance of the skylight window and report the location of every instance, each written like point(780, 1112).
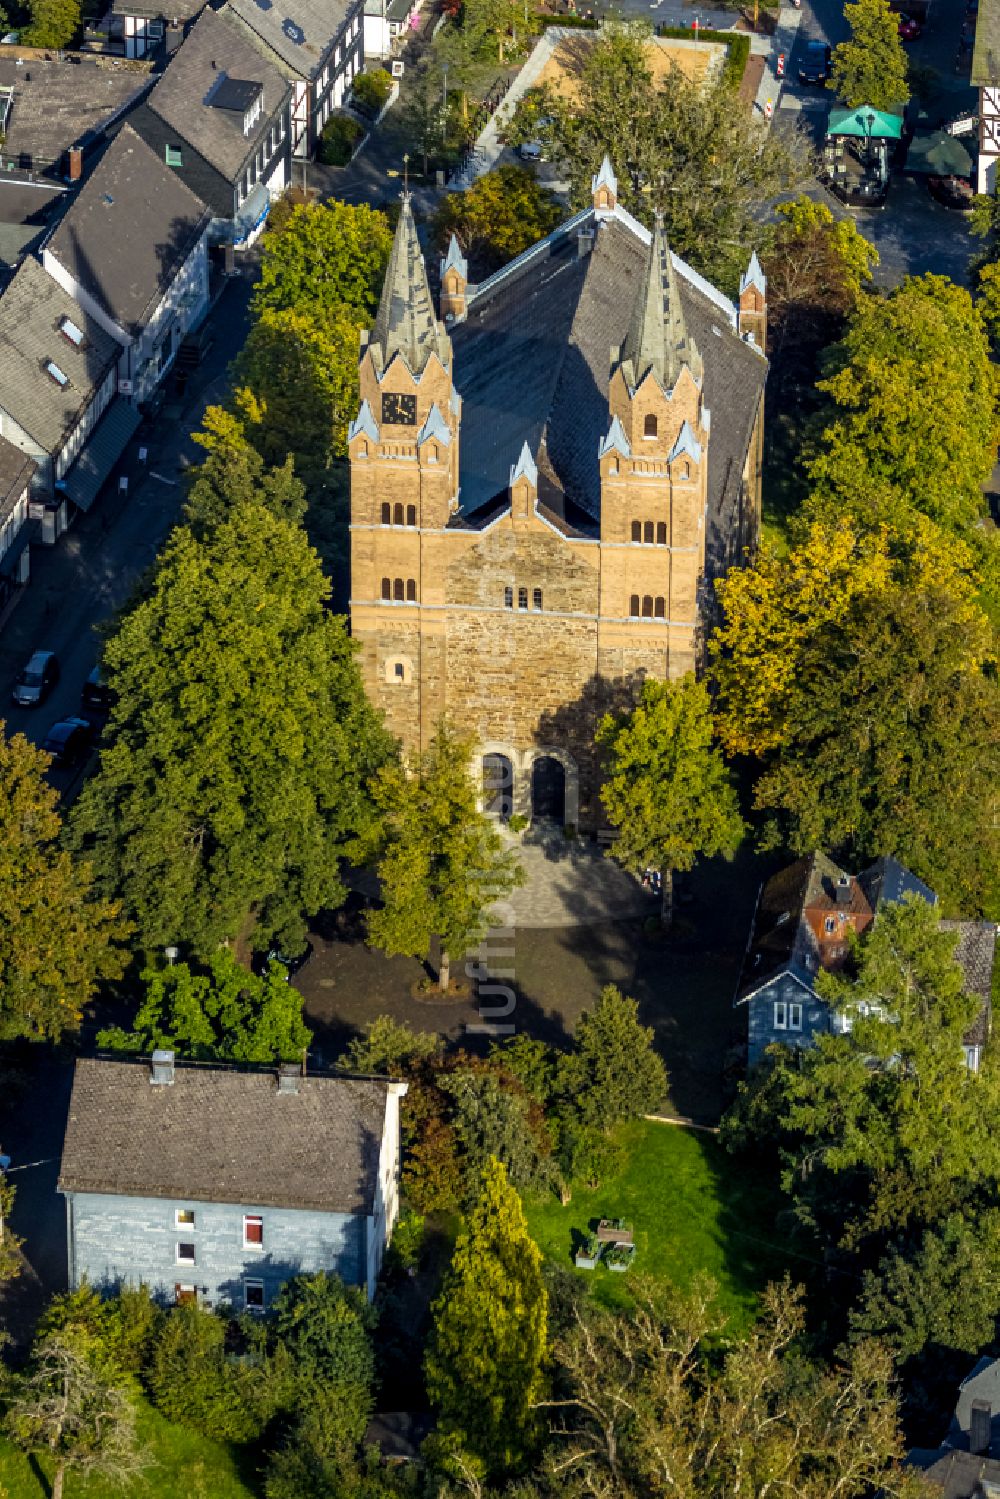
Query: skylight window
point(55, 373)
point(69, 330)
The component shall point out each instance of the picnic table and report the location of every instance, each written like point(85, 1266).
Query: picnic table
point(614, 1231)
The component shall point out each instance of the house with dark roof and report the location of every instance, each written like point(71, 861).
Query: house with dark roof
point(55, 116)
point(218, 1184)
point(801, 927)
point(967, 1463)
point(59, 402)
point(16, 473)
point(132, 251)
point(548, 471)
point(220, 118)
point(318, 46)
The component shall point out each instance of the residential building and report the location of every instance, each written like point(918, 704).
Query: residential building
point(132, 251)
point(59, 370)
point(985, 75)
point(543, 487)
point(219, 117)
point(319, 47)
point(387, 25)
point(218, 1184)
point(16, 472)
point(55, 116)
point(139, 28)
point(967, 1464)
point(801, 927)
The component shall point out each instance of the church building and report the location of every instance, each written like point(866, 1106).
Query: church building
point(548, 472)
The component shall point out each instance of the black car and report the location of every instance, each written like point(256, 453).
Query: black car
point(815, 67)
point(96, 694)
point(261, 961)
point(68, 741)
point(37, 680)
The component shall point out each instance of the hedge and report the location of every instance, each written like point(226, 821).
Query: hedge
point(737, 44)
point(545, 21)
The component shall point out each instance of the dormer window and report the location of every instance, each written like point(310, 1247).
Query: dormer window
point(240, 97)
point(649, 425)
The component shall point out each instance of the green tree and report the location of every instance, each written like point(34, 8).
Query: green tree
point(484, 1360)
point(503, 213)
point(226, 1014)
point(871, 66)
point(667, 791)
point(236, 762)
point(493, 1118)
point(913, 407)
point(679, 145)
point(196, 1383)
point(817, 269)
point(390, 1048)
point(233, 473)
point(325, 260)
point(58, 939)
point(615, 1072)
point(54, 23)
point(326, 1327)
point(76, 1412)
point(443, 864)
point(10, 1244)
point(302, 370)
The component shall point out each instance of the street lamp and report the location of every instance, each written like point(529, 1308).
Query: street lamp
point(171, 954)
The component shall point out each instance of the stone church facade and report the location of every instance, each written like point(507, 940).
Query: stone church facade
point(543, 486)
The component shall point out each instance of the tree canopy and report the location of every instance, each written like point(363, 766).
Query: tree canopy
point(503, 213)
point(236, 762)
point(484, 1360)
point(325, 259)
point(443, 864)
point(233, 473)
point(667, 790)
point(857, 671)
point(679, 145)
point(871, 67)
point(617, 1072)
point(817, 267)
point(53, 23)
point(226, 1014)
point(58, 938)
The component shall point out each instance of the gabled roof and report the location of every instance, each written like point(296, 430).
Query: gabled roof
point(215, 53)
point(975, 954)
point(298, 32)
point(16, 470)
point(56, 106)
point(406, 322)
point(32, 311)
point(781, 938)
point(887, 882)
point(129, 231)
point(223, 1135)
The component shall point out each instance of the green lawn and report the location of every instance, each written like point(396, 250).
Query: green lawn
point(183, 1465)
point(691, 1207)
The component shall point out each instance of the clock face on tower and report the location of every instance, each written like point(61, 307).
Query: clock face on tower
point(399, 409)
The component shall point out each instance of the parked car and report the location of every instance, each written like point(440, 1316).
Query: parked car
point(815, 67)
point(261, 961)
point(37, 680)
point(531, 151)
point(96, 695)
point(909, 29)
point(69, 741)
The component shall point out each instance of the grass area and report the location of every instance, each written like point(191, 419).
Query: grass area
point(691, 1208)
point(183, 1465)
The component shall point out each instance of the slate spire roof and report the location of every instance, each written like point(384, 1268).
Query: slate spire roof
point(657, 338)
point(406, 322)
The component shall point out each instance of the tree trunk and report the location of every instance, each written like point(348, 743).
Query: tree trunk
point(57, 1480)
point(444, 971)
point(667, 898)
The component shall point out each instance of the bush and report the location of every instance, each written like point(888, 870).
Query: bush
point(338, 141)
point(370, 91)
point(194, 1383)
point(517, 823)
point(543, 20)
point(407, 1241)
point(737, 46)
point(325, 1327)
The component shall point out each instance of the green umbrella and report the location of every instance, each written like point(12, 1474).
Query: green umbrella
point(940, 154)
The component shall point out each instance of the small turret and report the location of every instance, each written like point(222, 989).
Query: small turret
point(454, 281)
point(753, 303)
point(523, 485)
point(604, 189)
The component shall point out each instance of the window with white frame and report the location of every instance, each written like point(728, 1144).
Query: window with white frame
point(185, 1254)
point(253, 1295)
point(794, 1016)
point(780, 1015)
point(183, 1217)
point(253, 1231)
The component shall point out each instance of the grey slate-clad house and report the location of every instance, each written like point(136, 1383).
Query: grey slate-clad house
point(801, 925)
point(219, 1184)
point(319, 47)
point(132, 251)
point(58, 391)
point(967, 1464)
point(220, 118)
point(16, 473)
point(55, 115)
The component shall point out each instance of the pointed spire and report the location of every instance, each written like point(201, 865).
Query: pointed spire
point(657, 338)
point(524, 468)
point(686, 443)
point(754, 276)
point(406, 322)
point(615, 440)
point(604, 185)
point(455, 260)
point(364, 422)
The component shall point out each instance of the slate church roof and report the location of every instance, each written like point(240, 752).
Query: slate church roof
point(533, 359)
point(218, 1134)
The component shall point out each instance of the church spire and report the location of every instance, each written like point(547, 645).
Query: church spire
point(406, 322)
point(657, 338)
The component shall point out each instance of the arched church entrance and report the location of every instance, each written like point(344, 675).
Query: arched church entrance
point(548, 789)
point(498, 786)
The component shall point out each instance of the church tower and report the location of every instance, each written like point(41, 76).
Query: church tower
point(403, 453)
point(654, 466)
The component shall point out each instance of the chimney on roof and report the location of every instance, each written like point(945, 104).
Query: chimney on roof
point(289, 1077)
point(75, 163)
point(842, 890)
point(980, 1427)
point(161, 1073)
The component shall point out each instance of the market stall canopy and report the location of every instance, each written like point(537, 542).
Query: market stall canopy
point(940, 154)
point(865, 122)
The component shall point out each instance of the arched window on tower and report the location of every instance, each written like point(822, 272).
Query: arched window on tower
point(661, 533)
point(649, 425)
point(660, 608)
point(386, 515)
point(411, 515)
point(647, 606)
point(411, 590)
point(387, 588)
point(633, 606)
point(536, 598)
point(397, 590)
point(637, 530)
point(397, 515)
point(647, 533)
point(508, 598)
